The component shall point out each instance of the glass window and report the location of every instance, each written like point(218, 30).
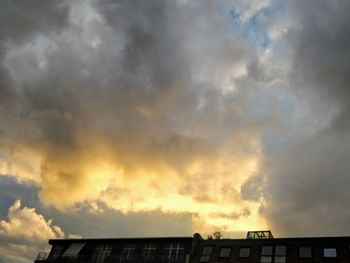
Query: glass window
point(102, 252)
point(206, 253)
point(128, 252)
point(280, 254)
point(266, 251)
point(55, 252)
point(280, 259)
point(204, 259)
point(149, 252)
point(266, 254)
point(73, 250)
point(305, 252)
point(330, 252)
point(244, 252)
point(266, 259)
point(280, 250)
point(225, 252)
point(173, 251)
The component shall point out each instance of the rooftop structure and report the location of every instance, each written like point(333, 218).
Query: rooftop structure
point(259, 235)
point(256, 249)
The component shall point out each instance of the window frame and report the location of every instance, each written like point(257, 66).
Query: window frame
point(178, 248)
point(272, 250)
point(266, 255)
point(328, 257)
point(56, 252)
point(239, 252)
point(207, 256)
point(102, 251)
point(149, 251)
point(305, 246)
point(229, 254)
point(280, 255)
point(271, 257)
point(131, 252)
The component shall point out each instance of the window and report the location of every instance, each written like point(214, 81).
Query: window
point(206, 253)
point(128, 253)
point(265, 259)
point(173, 251)
point(266, 254)
point(73, 251)
point(55, 252)
point(266, 250)
point(225, 252)
point(244, 252)
point(330, 252)
point(305, 252)
point(280, 254)
point(101, 252)
point(149, 252)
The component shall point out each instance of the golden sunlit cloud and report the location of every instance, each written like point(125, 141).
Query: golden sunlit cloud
point(203, 180)
point(139, 116)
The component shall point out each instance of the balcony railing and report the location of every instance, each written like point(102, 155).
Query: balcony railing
point(42, 256)
point(160, 258)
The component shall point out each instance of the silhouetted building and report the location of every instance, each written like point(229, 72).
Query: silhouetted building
point(121, 250)
point(258, 247)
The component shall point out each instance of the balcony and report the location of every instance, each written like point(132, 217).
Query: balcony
point(42, 256)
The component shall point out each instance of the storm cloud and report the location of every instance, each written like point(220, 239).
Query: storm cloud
point(309, 174)
point(134, 105)
point(216, 115)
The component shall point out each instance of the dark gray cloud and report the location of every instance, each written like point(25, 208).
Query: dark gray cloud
point(129, 106)
point(160, 88)
point(19, 20)
point(308, 176)
point(145, 80)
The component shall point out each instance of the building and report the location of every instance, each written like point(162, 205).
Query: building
point(261, 247)
point(121, 250)
point(257, 247)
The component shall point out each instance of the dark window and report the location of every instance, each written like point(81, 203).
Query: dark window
point(128, 253)
point(266, 254)
point(225, 252)
point(305, 252)
point(101, 252)
point(244, 252)
point(265, 259)
point(330, 252)
point(280, 250)
point(73, 251)
point(280, 254)
point(266, 250)
point(149, 252)
point(206, 253)
point(174, 251)
point(55, 252)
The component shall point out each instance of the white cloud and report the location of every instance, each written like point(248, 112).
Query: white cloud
point(17, 253)
point(247, 9)
point(25, 223)
point(24, 233)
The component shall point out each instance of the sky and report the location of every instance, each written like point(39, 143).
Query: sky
point(170, 117)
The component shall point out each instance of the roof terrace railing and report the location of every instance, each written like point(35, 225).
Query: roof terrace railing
point(42, 256)
point(259, 235)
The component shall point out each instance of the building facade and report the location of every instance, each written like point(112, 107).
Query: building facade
point(258, 247)
point(121, 250)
